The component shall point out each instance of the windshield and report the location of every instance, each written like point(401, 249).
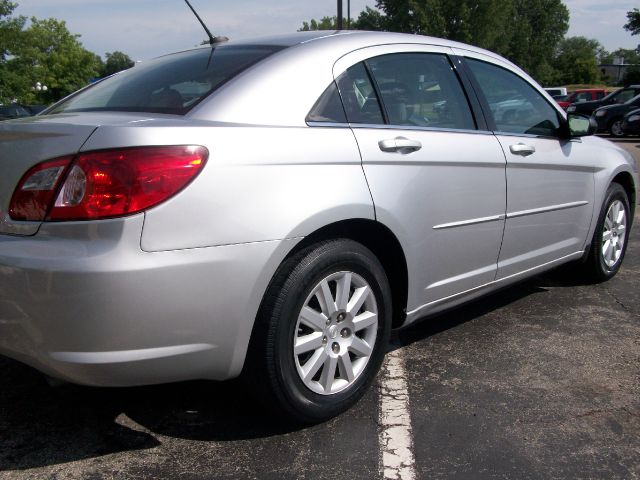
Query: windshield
point(635, 100)
point(172, 84)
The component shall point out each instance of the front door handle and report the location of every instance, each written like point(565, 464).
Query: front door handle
point(399, 144)
point(522, 149)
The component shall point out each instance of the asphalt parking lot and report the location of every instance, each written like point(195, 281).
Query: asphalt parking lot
point(540, 381)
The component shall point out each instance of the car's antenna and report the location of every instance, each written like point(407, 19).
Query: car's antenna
point(212, 40)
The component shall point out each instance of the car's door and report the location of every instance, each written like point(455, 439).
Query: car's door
point(437, 180)
point(550, 186)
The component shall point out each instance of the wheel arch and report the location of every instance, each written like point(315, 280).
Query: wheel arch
point(626, 180)
point(385, 246)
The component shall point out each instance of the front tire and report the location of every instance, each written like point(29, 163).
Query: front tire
point(321, 331)
point(616, 128)
point(609, 242)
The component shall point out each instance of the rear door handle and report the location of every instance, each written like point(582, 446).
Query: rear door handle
point(399, 144)
point(522, 149)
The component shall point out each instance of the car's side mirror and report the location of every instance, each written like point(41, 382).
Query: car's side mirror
point(581, 125)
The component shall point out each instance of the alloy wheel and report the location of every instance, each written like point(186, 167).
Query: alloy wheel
point(335, 332)
point(614, 233)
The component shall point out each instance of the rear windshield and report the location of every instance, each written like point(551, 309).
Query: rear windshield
point(172, 84)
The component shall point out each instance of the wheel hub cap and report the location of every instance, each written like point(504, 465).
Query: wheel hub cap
point(613, 233)
point(335, 333)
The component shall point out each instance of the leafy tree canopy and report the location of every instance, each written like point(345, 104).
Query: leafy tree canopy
point(575, 61)
point(629, 55)
point(45, 51)
point(633, 24)
point(48, 53)
point(525, 31)
point(116, 62)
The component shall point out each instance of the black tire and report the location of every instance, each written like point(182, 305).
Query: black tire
point(595, 266)
point(615, 128)
point(272, 367)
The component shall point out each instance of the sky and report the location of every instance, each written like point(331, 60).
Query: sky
point(148, 28)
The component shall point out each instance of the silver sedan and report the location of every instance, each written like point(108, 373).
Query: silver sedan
point(274, 207)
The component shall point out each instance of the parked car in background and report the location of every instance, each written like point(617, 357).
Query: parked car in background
point(618, 97)
point(582, 95)
point(631, 123)
point(556, 91)
point(278, 218)
point(609, 118)
point(14, 110)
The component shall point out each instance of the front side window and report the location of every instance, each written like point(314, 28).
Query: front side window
point(172, 84)
point(421, 89)
point(516, 107)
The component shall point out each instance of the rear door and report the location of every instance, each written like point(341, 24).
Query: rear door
point(436, 176)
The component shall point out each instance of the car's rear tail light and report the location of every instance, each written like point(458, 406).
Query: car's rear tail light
point(36, 190)
point(106, 184)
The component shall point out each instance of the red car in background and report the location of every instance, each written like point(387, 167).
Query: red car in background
point(583, 95)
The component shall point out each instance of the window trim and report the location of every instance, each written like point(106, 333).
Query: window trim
point(477, 114)
point(487, 110)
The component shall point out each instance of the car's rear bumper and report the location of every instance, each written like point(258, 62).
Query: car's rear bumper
point(86, 304)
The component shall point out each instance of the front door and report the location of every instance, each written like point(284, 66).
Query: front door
point(550, 189)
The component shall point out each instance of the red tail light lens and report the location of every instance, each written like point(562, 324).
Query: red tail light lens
point(110, 183)
point(35, 192)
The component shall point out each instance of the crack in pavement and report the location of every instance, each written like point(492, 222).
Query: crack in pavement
point(396, 439)
point(620, 302)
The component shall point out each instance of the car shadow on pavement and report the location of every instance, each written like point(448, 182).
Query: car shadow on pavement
point(465, 313)
point(563, 277)
point(42, 426)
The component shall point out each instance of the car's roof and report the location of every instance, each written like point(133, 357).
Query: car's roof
point(295, 38)
point(353, 39)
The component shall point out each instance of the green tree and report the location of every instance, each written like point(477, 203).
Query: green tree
point(633, 24)
point(538, 26)
point(48, 53)
point(325, 23)
point(576, 61)
point(629, 56)
point(10, 30)
point(370, 19)
point(525, 31)
point(116, 62)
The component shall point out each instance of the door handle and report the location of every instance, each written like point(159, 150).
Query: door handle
point(400, 145)
point(522, 149)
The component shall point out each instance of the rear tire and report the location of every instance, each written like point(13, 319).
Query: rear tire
point(609, 242)
point(321, 332)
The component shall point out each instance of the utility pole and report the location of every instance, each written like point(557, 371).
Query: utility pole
point(348, 14)
point(339, 14)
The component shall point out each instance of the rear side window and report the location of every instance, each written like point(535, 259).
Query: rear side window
point(359, 97)
point(515, 105)
point(172, 84)
point(421, 89)
point(328, 108)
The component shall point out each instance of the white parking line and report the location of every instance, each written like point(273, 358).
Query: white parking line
point(396, 440)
